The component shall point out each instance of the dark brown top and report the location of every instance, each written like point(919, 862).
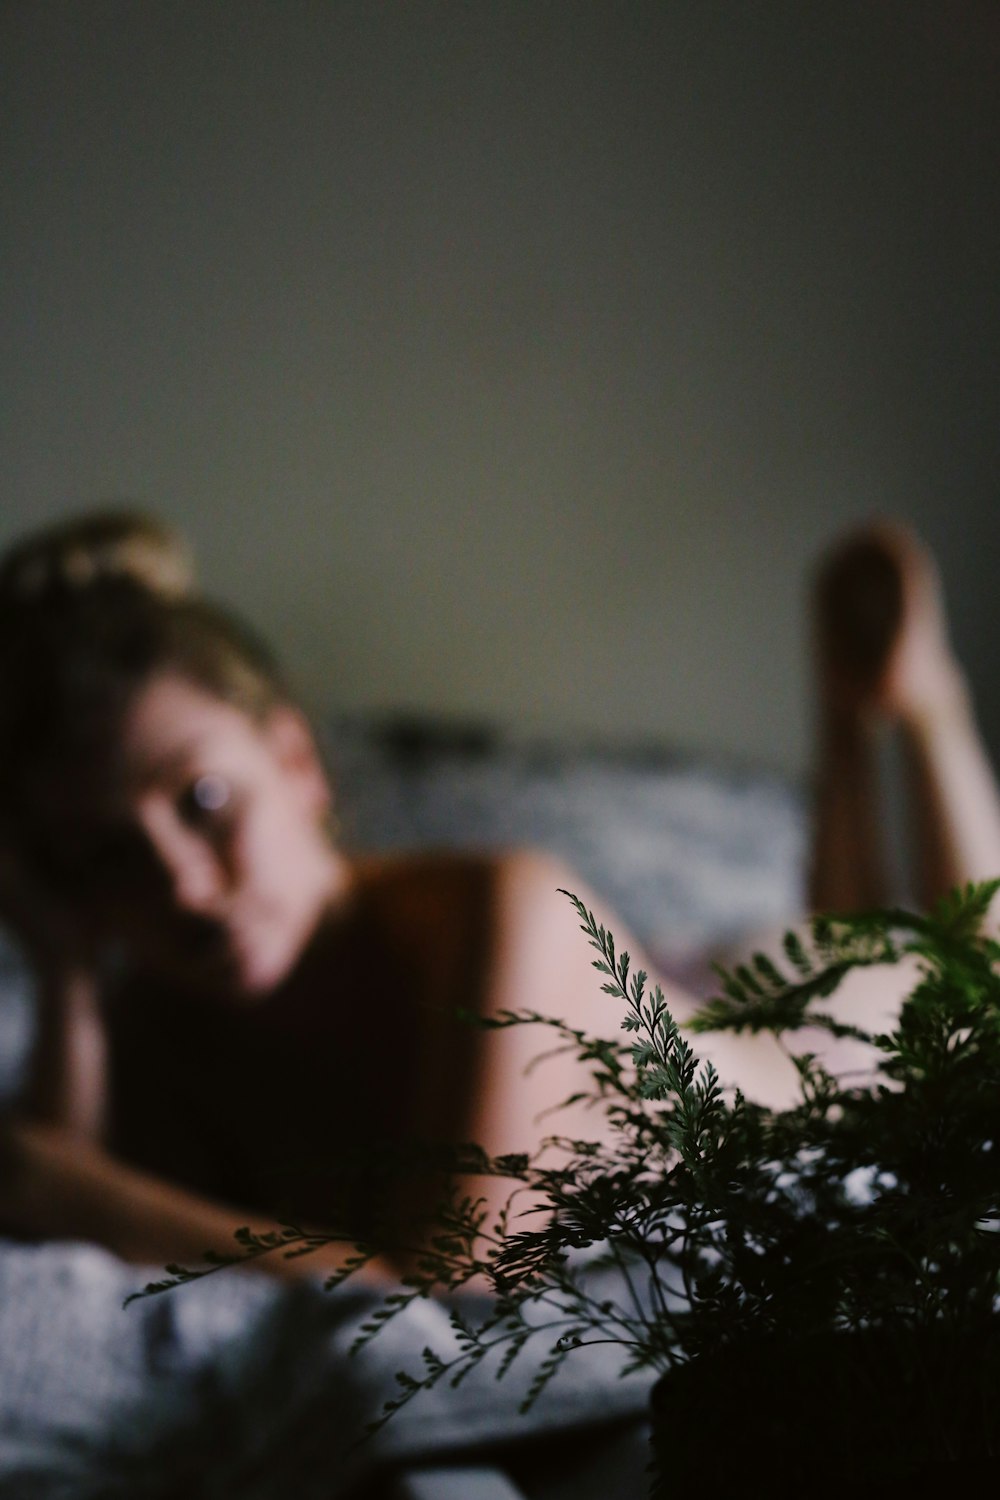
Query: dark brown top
point(288, 1106)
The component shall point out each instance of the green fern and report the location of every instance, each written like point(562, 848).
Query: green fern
point(699, 1221)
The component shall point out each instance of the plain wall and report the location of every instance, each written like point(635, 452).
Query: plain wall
point(514, 358)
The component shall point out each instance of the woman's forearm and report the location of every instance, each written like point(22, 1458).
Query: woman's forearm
point(57, 1185)
point(68, 1072)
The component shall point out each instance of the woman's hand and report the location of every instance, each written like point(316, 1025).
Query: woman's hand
point(67, 1075)
point(57, 1186)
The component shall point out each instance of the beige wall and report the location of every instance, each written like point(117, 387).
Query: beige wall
point(513, 358)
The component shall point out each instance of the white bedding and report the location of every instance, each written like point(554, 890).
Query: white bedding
point(238, 1387)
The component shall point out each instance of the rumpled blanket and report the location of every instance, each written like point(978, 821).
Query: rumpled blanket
point(238, 1386)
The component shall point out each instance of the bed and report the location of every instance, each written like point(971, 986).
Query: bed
point(237, 1387)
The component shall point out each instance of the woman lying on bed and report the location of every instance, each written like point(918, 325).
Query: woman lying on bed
point(236, 1015)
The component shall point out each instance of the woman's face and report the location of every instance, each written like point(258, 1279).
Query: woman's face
point(205, 853)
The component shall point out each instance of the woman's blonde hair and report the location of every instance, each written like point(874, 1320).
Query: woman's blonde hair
point(91, 610)
point(76, 553)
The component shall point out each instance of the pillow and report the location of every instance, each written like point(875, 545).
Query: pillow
point(689, 852)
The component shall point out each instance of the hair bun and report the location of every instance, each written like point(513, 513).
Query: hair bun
point(86, 550)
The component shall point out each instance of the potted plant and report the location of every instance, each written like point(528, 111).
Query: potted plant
point(817, 1286)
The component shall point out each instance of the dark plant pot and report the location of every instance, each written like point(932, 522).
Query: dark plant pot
point(867, 1410)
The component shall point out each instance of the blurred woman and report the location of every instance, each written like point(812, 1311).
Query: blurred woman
point(238, 1020)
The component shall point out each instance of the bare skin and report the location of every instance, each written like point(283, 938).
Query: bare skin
point(884, 662)
point(246, 909)
point(471, 1085)
point(234, 896)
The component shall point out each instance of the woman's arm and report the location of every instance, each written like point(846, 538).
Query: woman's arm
point(56, 1178)
point(67, 1075)
point(544, 963)
point(541, 962)
point(67, 1083)
point(56, 1185)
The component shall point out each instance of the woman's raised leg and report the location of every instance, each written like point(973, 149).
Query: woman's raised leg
point(885, 660)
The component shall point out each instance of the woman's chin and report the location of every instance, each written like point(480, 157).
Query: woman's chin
point(268, 960)
point(240, 965)
point(252, 977)
point(239, 974)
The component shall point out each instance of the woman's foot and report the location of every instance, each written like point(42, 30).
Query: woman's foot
point(881, 633)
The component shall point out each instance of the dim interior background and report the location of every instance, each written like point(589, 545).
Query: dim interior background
point(513, 359)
